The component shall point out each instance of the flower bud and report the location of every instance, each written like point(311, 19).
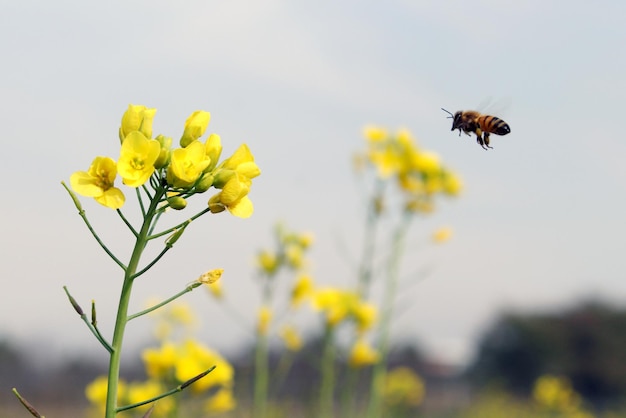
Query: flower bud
point(164, 155)
point(215, 204)
point(222, 177)
point(195, 125)
point(177, 202)
point(137, 118)
point(204, 183)
point(213, 150)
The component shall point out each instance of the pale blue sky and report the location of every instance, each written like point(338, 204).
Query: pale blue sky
point(540, 223)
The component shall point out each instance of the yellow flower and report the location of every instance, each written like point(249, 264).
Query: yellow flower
point(186, 165)
point(362, 354)
point(264, 319)
point(98, 181)
point(194, 358)
point(96, 391)
point(442, 234)
point(137, 118)
point(374, 133)
point(141, 391)
point(291, 338)
point(555, 393)
point(365, 315)
point(452, 184)
point(335, 303)
point(216, 289)
point(242, 162)
point(302, 289)
point(159, 362)
point(403, 387)
point(195, 125)
point(294, 254)
point(222, 401)
point(234, 197)
point(268, 262)
point(213, 150)
point(211, 276)
point(137, 158)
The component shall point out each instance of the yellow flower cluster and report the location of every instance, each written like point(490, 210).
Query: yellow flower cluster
point(556, 394)
point(339, 305)
point(403, 386)
point(184, 171)
point(290, 252)
point(419, 173)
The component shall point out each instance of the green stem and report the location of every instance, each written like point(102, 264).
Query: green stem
point(180, 225)
point(393, 267)
point(327, 388)
point(152, 263)
point(261, 377)
point(348, 397)
point(369, 243)
point(119, 212)
point(166, 301)
point(122, 311)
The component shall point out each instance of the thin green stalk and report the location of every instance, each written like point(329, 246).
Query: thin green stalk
point(261, 377)
point(180, 225)
point(364, 276)
point(166, 301)
point(122, 311)
point(327, 388)
point(119, 212)
point(380, 369)
point(348, 397)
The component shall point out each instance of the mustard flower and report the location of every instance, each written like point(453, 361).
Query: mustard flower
point(165, 152)
point(195, 125)
point(234, 197)
point(294, 254)
point(159, 362)
point(268, 262)
point(264, 319)
point(222, 401)
point(140, 391)
point(403, 386)
point(137, 118)
point(211, 276)
point(291, 338)
point(216, 289)
point(137, 158)
point(194, 358)
point(362, 355)
point(186, 165)
point(374, 133)
point(555, 393)
point(98, 182)
point(335, 303)
point(242, 161)
point(96, 391)
point(213, 150)
point(365, 315)
point(302, 289)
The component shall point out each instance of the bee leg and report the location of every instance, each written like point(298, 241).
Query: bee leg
point(487, 140)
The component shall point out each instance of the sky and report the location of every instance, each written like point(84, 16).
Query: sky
point(539, 225)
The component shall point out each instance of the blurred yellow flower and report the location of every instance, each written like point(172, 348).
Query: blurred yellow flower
point(216, 289)
point(264, 318)
point(337, 304)
point(159, 362)
point(442, 234)
point(268, 262)
point(403, 387)
point(374, 133)
point(222, 401)
point(96, 391)
point(302, 289)
point(140, 391)
point(137, 157)
point(556, 393)
point(98, 182)
point(194, 358)
point(294, 254)
point(291, 338)
point(362, 354)
point(365, 315)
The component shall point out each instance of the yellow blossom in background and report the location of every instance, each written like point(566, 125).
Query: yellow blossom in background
point(211, 276)
point(374, 133)
point(137, 118)
point(451, 183)
point(140, 391)
point(365, 315)
point(268, 262)
point(264, 319)
point(335, 303)
point(291, 338)
point(159, 362)
point(193, 358)
point(556, 393)
point(403, 386)
point(137, 158)
point(362, 355)
point(195, 126)
point(181, 313)
point(302, 289)
point(222, 401)
point(186, 165)
point(442, 234)
point(294, 254)
point(216, 289)
point(98, 182)
point(96, 392)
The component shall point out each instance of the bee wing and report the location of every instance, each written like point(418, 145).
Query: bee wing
point(497, 108)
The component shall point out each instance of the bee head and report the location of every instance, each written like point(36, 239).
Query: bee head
point(456, 118)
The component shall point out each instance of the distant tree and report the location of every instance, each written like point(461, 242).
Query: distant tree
point(587, 344)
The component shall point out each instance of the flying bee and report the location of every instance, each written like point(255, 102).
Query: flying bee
point(482, 125)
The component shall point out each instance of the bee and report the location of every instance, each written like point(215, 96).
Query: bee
point(482, 125)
